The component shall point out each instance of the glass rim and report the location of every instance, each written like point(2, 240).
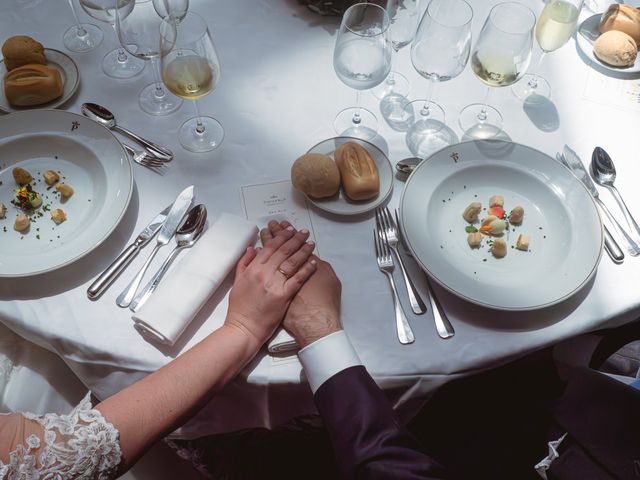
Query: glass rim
point(517, 5)
point(386, 19)
point(167, 20)
point(457, 25)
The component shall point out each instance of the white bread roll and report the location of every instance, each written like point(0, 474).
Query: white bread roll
point(622, 18)
point(616, 48)
point(22, 50)
point(316, 175)
point(32, 84)
point(358, 170)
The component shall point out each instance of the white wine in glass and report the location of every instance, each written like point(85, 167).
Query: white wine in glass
point(189, 76)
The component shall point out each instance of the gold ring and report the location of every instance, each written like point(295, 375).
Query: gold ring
point(284, 273)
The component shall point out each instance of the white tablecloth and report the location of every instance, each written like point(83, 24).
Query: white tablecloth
point(278, 96)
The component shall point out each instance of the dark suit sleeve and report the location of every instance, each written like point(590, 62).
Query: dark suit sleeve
point(368, 441)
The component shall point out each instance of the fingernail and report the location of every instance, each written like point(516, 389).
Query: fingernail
point(290, 228)
point(310, 243)
point(313, 262)
point(272, 223)
point(304, 230)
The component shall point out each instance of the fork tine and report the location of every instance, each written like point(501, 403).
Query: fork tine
point(383, 219)
point(376, 239)
point(387, 213)
point(378, 222)
point(385, 244)
point(151, 162)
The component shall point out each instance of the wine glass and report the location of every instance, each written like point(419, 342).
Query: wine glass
point(139, 34)
point(555, 27)
point(174, 9)
point(439, 52)
point(81, 37)
point(116, 63)
point(362, 60)
point(499, 59)
point(403, 19)
point(191, 69)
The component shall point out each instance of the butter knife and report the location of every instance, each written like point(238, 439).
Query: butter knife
point(575, 164)
point(174, 217)
point(106, 278)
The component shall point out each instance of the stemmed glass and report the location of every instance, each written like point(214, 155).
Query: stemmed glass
point(174, 9)
point(439, 52)
point(191, 69)
point(81, 37)
point(362, 60)
point(555, 27)
point(139, 34)
point(116, 63)
point(499, 59)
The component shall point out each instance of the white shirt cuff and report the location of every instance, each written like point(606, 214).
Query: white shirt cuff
point(327, 356)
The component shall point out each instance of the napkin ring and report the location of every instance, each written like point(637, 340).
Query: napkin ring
point(287, 276)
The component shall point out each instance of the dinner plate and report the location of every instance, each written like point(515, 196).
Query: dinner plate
point(70, 81)
point(90, 159)
point(560, 217)
point(339, 204)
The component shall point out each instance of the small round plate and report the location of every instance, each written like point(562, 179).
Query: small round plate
point(339, 204)
point(70, 81)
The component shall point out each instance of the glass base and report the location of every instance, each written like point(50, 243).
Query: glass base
point(530, 85)
point(201, 138)
point(117, 64)
point(395, 83)
point(356, 122)
point(480, 121)
point(154, 104)
point(85, 40)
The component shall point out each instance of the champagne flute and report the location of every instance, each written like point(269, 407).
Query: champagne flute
point(116, 63)
point(499, 59)
point(81, 37)
point(139, 33)
point(555, 27)
point(174, 9)
point(362, 60)
point(191, 69)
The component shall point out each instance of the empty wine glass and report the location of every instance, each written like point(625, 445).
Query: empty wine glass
point(139, 34)
point(362, 60)
point(499, 59)
point(190, 69)
point(81, 37)
point(116, 63)
point(555, 27)
point(174, 9)
point(403, 19)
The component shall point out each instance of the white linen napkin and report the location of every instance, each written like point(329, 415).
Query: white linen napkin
point(194, 278)
point(282, 342)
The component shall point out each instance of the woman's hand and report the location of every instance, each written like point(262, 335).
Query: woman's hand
point(266, 281)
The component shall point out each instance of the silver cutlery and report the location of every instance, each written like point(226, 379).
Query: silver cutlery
point(143, 157)
point(575, 164)
point(610, 244)
point(443, 326)
point(174, 218)
point(186, 236)
point(106, 278)
point(387, 227)
point(385, 264)
point(408, 165)
point(103, 116)
point(604, 173)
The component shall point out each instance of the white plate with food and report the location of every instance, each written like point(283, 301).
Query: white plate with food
point(370, 176)
point(56, 147)
point(619, 45)
point(561, 225)
point(68, 73)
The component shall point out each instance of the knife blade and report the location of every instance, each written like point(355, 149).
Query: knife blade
point(106, 278)
point(174, 217)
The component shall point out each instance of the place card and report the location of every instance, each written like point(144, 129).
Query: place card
point(613, 92)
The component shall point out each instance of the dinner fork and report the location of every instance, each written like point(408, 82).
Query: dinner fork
point(143, 157)
point(385, 223)
point(385, 264)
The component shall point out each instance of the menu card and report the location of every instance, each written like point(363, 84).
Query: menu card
point(611, 91)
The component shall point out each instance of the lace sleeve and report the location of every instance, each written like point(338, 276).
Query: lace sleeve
point(81, 445)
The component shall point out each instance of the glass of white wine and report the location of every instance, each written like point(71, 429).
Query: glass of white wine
point(499, 59)
point(191, 69)
point(81, 37)
point(174, 9)
point(556, 25)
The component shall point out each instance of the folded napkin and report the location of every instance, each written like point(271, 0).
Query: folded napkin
point(282, 342)
point(191, 282)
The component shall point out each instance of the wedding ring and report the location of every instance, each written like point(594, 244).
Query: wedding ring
point(284, 273)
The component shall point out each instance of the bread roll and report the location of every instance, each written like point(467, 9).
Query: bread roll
point(616, 48)
point(21, 50)
point(622, 18)
point(358, 170)
point(32, 84)
point(316, 175)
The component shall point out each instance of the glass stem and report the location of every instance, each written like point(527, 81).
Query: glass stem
point(81, 32)
point(356, 116)
point(533, 82)
point(199, 124)
point(425, 111)
point(159, 93)
point(391, 80)
point(482, 116)
point(122, 55)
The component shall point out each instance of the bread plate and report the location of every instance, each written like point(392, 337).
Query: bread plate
point(339, 204)
point(70, 81)
point(560, 216)
point(90, 159)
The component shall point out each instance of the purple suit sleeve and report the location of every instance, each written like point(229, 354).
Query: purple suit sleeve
point(367, 439)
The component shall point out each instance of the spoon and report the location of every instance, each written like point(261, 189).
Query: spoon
point(604, 173)
point(186, 236)
point(103, 116)
point(408, 165)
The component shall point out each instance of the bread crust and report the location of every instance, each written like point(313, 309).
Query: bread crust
point(359, 172)
point(32, 84)
point(22, 50)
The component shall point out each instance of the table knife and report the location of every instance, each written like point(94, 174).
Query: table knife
point(575, 164)
point(174, 217)
point(106, 278)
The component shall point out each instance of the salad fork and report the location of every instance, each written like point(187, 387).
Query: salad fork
point(143, 158)
point(385, 264)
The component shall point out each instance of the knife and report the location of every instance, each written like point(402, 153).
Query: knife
point(106, 278)
point(174, 217)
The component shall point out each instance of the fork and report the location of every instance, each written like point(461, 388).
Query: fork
point(385, 223)
point(143, 157)
point(385, 264)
